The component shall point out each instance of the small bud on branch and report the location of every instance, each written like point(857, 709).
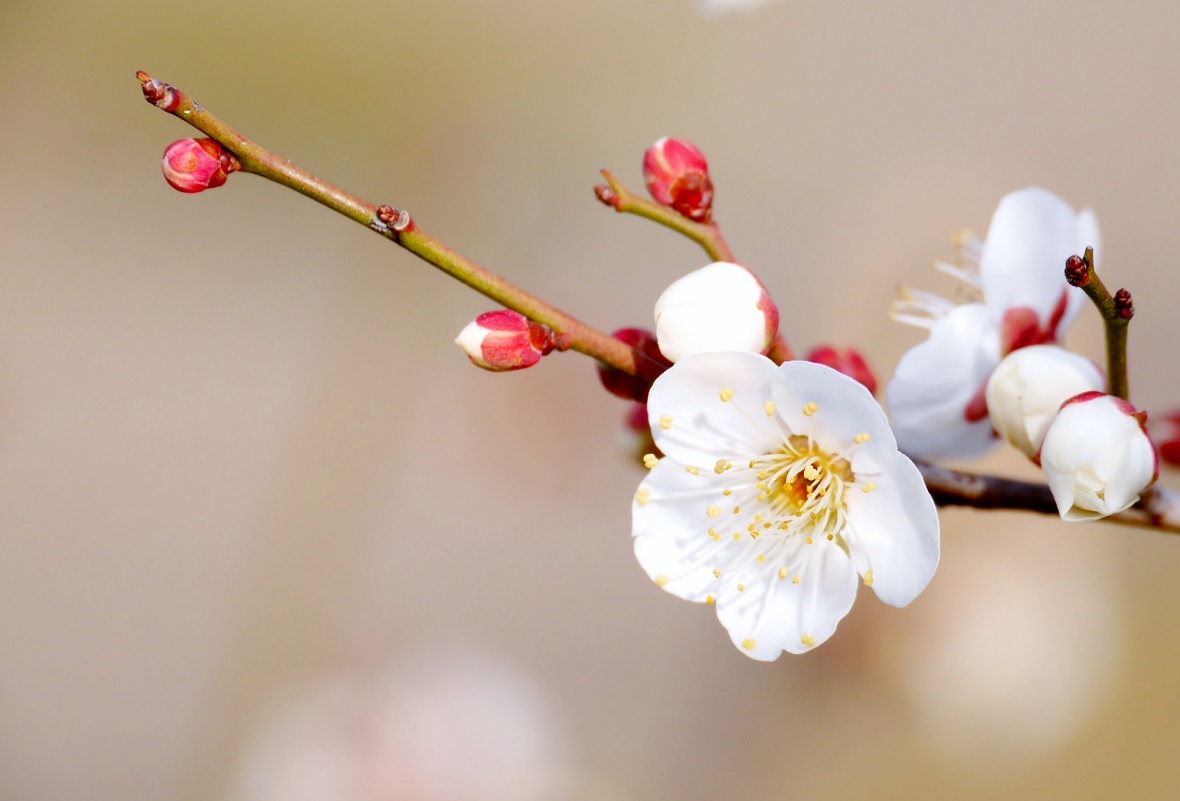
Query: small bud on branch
point(194, 165)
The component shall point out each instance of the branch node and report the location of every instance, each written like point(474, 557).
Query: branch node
point(158, 93)
point(607, 196)
point(393, 218)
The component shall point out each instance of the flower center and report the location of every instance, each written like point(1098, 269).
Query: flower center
point(804, 487)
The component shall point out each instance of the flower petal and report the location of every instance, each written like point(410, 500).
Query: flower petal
point(1031, 235)
point(776, 615)
point(674, 519)
point(835, 411)
point(691, 423)
point(937, 380)
point(893, 531)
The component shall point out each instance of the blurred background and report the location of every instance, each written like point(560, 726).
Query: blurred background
point(266, 534)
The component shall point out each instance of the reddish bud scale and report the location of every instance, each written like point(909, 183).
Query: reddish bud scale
point(625, 385)
point(1077, 273)
point(1123, 304)
point(847, 361)
point(677, 176)
point(194, 165)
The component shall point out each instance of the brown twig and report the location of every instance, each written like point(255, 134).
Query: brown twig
point(397, 226)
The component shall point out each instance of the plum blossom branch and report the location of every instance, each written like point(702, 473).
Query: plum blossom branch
point(1159, 509)
point(1116, 311)
point(397, 226)
point(706, 234)
point(623, 200)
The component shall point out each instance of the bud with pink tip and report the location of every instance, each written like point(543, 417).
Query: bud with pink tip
point(847, 361)
point(719, 307)
point(1097, 456)
point(1028, 387)
point(504, 340)
point(625, 385)
point(677, 176)
point(194, 165)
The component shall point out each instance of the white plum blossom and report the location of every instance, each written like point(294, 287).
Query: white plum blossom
point(1018, 297)
point(721, 307)
point(1026, 390)
point(779, 486)
point(1097, 456)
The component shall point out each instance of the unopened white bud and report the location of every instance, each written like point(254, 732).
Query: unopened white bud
point(721, 307)
point(1029, 386)
point(1097, 456)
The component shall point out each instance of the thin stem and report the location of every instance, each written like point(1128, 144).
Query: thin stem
point(1116, 311)
point(397, 226)
point(707, 235)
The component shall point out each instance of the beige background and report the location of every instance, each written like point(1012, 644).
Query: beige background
point(240, 457)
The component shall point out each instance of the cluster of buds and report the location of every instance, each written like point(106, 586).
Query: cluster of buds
point(1093, 447)
point(194, 165)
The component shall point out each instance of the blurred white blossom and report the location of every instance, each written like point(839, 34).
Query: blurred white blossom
point(448, 730)
point(936, 396)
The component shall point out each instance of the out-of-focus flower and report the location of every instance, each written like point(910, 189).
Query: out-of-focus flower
point(1026, 390)
point(1097, 456)
point(936, 397)
point(998, 680)
point(780, 485)
point(716, 8)
point(194, 165)
point(847, 361)
point(677, 176)
point(1165, 432)
point(444, 730)
point(721, 307)
point(504, 340)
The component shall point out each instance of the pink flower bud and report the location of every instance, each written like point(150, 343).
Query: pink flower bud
point(194, 165)
point(1097, 456)
point(504, 340)
point(847, 361)
point(625, 385)
point(719, 307)
point(1165, 430)
point(677, 176)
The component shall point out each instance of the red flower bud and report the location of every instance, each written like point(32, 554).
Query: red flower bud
point(1165, 431)
point(847, 361)
point(504, 340)
point(625, 385)
point(677, 176)
point(194, 165)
